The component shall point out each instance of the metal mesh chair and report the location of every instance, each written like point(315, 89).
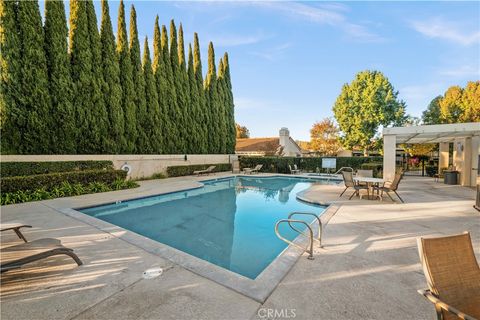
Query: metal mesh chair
point(453, 276)
point(350, 183)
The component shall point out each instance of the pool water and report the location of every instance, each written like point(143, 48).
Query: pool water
point(228, 222)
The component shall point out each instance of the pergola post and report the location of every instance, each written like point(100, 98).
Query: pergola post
point(443, 155)
point(389, 156)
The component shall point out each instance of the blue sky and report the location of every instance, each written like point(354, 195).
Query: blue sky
point(289, 60)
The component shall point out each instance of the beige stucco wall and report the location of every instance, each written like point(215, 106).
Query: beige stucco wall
point(142, 165)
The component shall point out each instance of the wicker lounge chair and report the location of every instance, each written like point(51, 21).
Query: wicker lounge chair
point(206, 171)
point(254, 170)
point(453, 276)
point(14, 257)
point(390, 187)
point(349, 183)
point(15, 226)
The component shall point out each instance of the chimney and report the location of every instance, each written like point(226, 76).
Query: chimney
point(284, 136)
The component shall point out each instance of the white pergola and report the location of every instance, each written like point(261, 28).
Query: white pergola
point(464, 136)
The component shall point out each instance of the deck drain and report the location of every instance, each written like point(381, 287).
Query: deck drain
point(152, 273)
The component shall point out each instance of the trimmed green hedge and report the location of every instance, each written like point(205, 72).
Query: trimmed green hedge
point(177, 171)
point(314, 164)
point(14, 169)
point(376, 167)
point(64, 190)
point(51, 180)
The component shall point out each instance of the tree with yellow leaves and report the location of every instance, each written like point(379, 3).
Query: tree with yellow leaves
point(324, 137)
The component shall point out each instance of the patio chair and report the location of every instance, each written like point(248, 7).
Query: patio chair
point(16, 256)
point(254, 170)
point(296, 168)
point(390, 187)
point(350, 183)
point(206, 171)
point(364, 173)
point(15, 226)
point(293, 171)
point(453, 276)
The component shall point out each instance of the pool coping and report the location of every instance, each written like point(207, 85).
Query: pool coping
point(258, 289)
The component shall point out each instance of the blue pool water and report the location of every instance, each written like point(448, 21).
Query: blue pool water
point(229, 222)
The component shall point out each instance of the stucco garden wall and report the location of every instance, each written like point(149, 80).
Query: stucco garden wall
point(141, 165)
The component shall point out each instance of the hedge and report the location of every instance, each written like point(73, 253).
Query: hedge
point(13, 169)
point(177, 171)
point(313, 164)
point(376, 167)
point(51, 180)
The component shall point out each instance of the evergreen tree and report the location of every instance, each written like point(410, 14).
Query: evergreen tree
point(185, 100)
point(142, 144)
point(193, 110)
point(212, 103)
point(203, 112)
point(128, 94)
point(177, 109)
point(221, 109)
point(99, 142)
point(230, 107)
point(161, 83)
point(112, 90)
point(12, 115)
point(33, 85)
point(81, 70)
point(168, 98)
point(62, 126)
point(152, 125)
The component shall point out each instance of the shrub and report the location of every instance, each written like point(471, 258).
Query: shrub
point(376, 167)
point(177, 171)
point(52, 180)
point(64, 190)
point(13, 169)
point(313, 164)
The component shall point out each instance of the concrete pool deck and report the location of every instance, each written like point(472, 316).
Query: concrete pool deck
point(369, 267)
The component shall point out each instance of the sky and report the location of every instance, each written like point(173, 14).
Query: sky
point(289, 60)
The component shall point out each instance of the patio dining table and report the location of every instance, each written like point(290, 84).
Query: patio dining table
point(370, 183)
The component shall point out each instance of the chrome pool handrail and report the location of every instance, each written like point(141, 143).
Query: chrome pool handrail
point(320, 226)
point(310, 257)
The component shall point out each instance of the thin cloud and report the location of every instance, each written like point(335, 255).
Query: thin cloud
point(446, 30)
point(234, 40)
point(464, 71)
point(324, 14)
point(273, 54)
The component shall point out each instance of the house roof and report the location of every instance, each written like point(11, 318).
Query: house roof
point(258, 144)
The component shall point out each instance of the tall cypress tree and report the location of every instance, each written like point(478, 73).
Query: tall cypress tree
point(81, 71)
point(143, 142)
point(184, 96)
point(152, 125)
point(126, 81)
point(194, 105)
point(12, 115)
point(112, 90)
point(203, 112)
point(99, 140)
point(63, 124)
point(168, 97)
point(221, 109)
point(35, 97)
point(161, 83)
point(177, 112)
point(212, 102)
point(230, 107)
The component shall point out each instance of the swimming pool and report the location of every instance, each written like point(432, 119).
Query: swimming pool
point(228, 222)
